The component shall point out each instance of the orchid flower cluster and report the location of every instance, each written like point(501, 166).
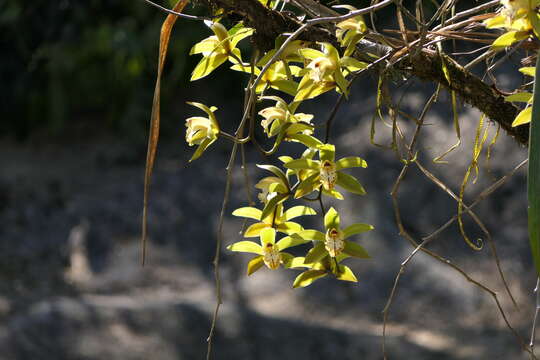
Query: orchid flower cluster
point(303, 71)
point(521, 20)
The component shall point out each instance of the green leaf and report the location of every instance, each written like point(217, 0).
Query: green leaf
point(207, 65)
point(289, 227)
point(355, 250)
point(346, 274)
point(508, 39)
point(248, 212)
point(290, 241)
point(350, 183)
point(307, 186)
point(297, 211)
point(316, 254)
point(254, 264)
point(299, 164)
point(268, 236)
point(357, 228)
point(524, 117)
point(255, 229)
point(331, 219)
point(349, 162)
point(308, 277)
point(246, 246)
point(525, 97)
point(312, 235)
point(327, 152)
point(533, 175)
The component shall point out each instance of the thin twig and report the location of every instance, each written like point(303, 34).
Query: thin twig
point(229, 169)
point(179, 14)
point(536, 310)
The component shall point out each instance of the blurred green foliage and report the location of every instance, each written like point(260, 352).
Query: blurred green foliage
point(84, 67)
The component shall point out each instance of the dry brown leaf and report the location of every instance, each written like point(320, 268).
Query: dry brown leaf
point(153, 138)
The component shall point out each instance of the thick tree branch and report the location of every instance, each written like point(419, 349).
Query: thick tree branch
point(426, 65)
point(470, 88)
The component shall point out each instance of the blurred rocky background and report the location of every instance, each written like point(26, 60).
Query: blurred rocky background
point(76, 91)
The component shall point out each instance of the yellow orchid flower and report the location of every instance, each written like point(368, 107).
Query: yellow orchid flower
point(326, 173)
point(519, 17)
point(349, 32)
point(218, 48)
point(200, 130)
point(269, 252)
point(279, 219)
point(334, 242)
point(324, 72)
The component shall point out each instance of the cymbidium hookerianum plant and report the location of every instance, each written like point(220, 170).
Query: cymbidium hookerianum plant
point(519, 17)
point(200, 130)
point(278, 219)
point(279, 76)
point(325, 72)
point(274, 189)
point(320, 269)
point(333, 242)
point(324, 174)
point(281, 120)
point(218, 48)
point(269, 252)
point(329, 250)
point(349, 32)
